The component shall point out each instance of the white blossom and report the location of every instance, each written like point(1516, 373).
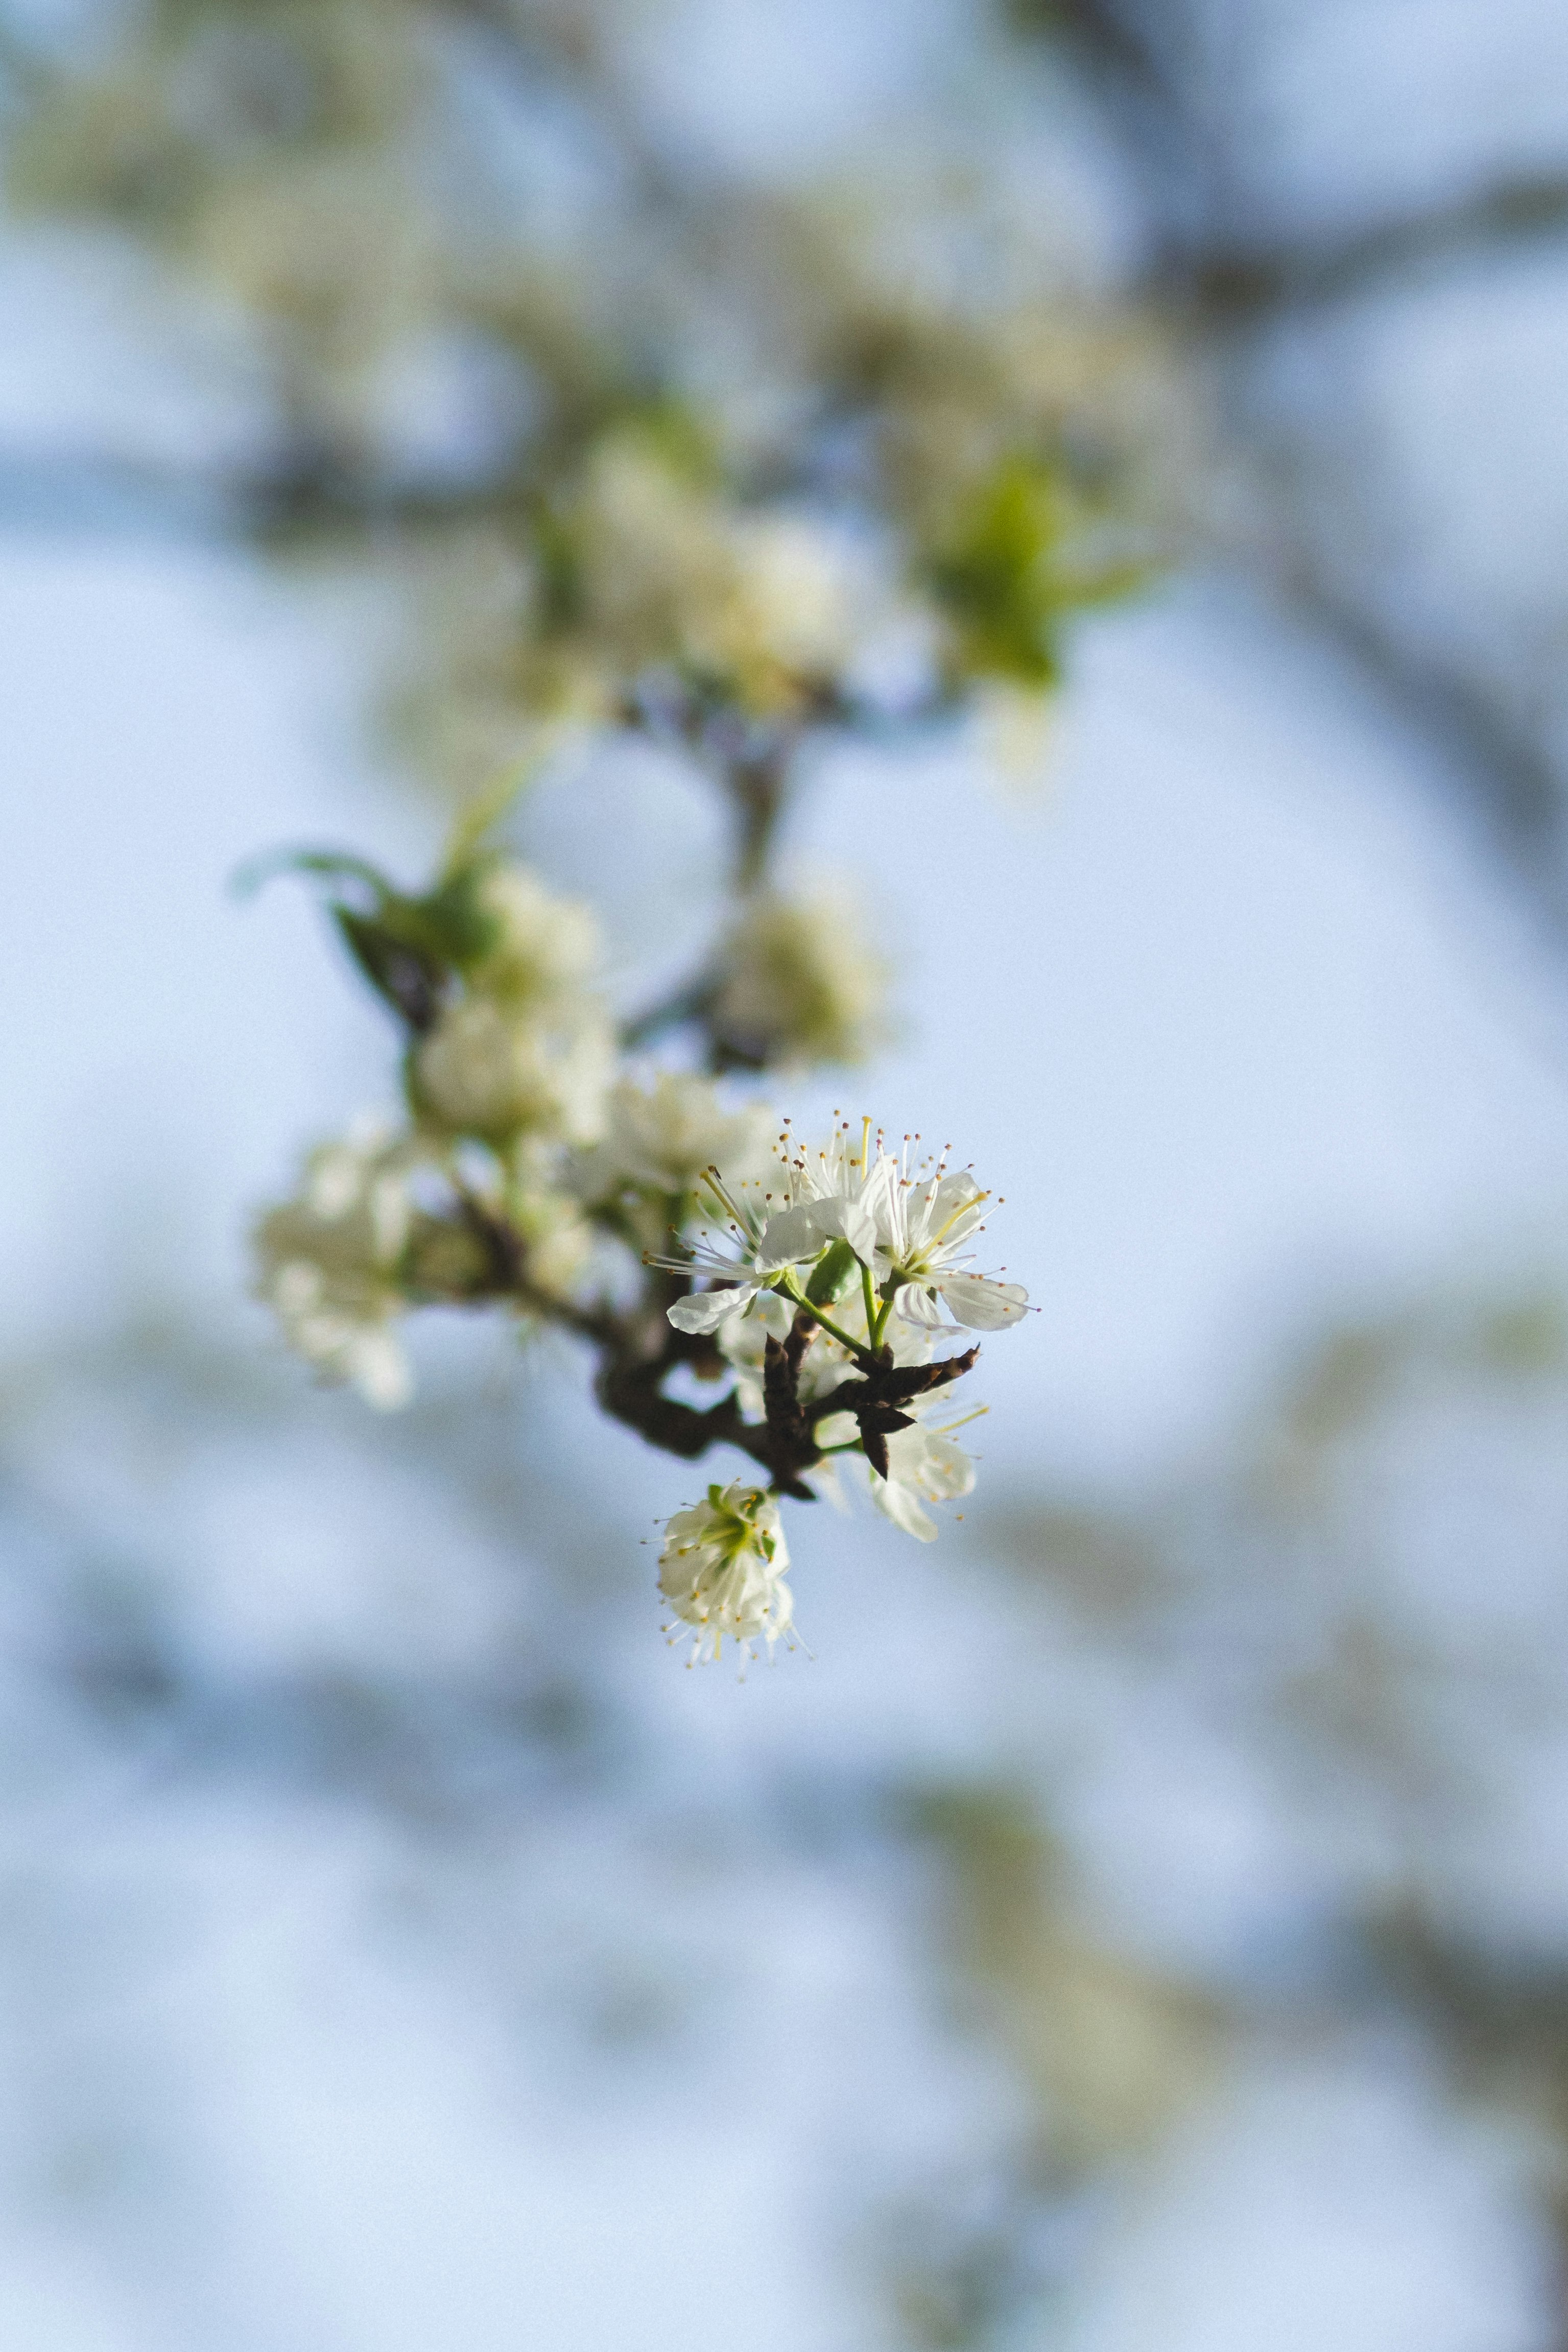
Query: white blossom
point(800, 597)
point(665, 1133)
point(558, 1240)
point(922, 1225)
point(541, 943)
point(721, 1570)
point(487, 1070)
point(742, 1342)
point(651, 546)
point(770, 1229)
point(799, 981)
point(924, 1465)
point(327, 1263)
point(770, 601)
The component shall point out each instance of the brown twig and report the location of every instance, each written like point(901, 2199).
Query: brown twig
point(638, 1352)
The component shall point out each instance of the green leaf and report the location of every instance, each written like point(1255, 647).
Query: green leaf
point(680, 437)
point(558, 571)
point(326, 865)
point(405, 979)
point(405, 947)
point(996, 576)
point(452, 919)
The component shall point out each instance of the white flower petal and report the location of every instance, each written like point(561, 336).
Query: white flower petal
point(858, 1226)
point(836, 1429)
point(901, 1504)
point(379, 1369)
point(980, 1304)
point(881, 1189)
point(801, 1232)
point(945, 1470)
point(790, 1235)
point(708, 1309)
point(957, 1205)
point(774, 1313)
point(833, 1218)
point(825, 1479)
point(921, 1306)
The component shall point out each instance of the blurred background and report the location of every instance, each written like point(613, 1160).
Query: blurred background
point(1144, 1921)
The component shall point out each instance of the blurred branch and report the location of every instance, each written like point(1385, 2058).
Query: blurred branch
point(294, 497)
point(1219, 285)
point(1224, 283)
point(565, 44)
point(22, 70)
point(66, 495)
point(1223, 275)
point(1508, 783)
point(1100, 38)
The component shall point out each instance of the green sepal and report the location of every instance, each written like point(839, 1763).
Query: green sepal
point(832, 1275)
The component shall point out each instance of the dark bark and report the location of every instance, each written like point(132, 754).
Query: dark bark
point(638, 1354)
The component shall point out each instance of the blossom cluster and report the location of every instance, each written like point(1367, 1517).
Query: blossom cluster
point(646, 459)
point(752, 475)
point(848, 1270)
point(643, 456)
point(822, 1295)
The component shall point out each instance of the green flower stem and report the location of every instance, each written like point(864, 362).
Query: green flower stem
point(869, 1292)
point(861, 1353)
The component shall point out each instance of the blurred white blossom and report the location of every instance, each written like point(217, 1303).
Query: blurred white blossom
point(329, 1264)
point(799, 981)
point(487, 1070)
point(539, 943)
point(559, 1242)
point(769, 603)
point(665, 1129)
point(801, 601)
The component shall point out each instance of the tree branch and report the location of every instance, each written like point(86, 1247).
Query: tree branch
point(1221, 284)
